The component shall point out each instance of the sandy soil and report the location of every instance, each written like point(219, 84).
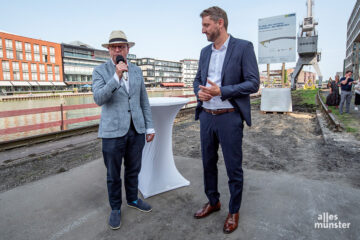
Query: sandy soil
point(283, 143)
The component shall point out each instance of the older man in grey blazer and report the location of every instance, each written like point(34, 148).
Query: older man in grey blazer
point(125, 119)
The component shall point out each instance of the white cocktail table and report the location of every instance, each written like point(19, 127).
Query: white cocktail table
point(158, 171)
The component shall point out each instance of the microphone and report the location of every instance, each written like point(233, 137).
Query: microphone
point(120, 58)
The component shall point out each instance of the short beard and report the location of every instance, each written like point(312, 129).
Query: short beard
point(213, 36)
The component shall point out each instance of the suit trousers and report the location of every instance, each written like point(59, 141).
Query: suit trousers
point(227, 130)
point(114, 150)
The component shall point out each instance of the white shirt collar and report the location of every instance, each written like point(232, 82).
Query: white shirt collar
point(223, 47)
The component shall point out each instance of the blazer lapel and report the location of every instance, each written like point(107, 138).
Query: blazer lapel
point(206, 66)
point(227, 57)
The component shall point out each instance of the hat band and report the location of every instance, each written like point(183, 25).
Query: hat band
point(118, 40)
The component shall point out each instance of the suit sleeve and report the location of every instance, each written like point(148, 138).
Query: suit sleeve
point(102, 90)
point(197, 80)
point(250, 74)
point(145, 105)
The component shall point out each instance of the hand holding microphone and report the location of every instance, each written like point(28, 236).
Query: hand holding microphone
point(121, 67)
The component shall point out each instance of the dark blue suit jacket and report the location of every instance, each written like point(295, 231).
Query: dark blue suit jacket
point(239, 76)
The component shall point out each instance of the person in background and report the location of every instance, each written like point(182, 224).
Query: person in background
point(346, 94)
point(333, 99)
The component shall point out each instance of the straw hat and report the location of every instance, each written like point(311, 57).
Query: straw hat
point(117, 36)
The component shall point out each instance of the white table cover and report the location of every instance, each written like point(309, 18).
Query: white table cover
point(158, 171)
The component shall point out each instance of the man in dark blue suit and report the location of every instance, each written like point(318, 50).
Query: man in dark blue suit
point(227, 74)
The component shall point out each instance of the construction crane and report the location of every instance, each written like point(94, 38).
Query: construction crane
point(307, 46)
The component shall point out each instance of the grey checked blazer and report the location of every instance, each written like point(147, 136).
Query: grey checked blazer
point(117, 105)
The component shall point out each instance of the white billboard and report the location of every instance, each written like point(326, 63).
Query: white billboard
point(277, 39)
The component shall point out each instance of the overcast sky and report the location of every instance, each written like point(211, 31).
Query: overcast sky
point(170, 29)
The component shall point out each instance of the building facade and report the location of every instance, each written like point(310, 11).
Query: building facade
point(79, 61)
point(28, 64)
point(352, 56)
point(157, 71)
point(31, 65)
point(189, 70)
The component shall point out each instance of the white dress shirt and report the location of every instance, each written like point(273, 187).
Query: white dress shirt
point(125, 83)
point(214, 74)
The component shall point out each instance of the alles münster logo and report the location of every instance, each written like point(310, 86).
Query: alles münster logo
point(330, 221)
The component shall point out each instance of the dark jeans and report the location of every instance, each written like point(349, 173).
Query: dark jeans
point(114, 150)
point(226, 129)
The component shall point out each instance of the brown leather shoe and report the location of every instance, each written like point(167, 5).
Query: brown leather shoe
point(231, 223)
point(207, 210)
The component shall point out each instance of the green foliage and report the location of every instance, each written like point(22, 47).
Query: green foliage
point(305, 96)
point(255, 102)
point(350, 122)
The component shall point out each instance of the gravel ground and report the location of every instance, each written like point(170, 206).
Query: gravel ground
point(290, 143)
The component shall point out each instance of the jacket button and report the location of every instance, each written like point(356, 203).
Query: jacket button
point(129, 110)
point(129, 98)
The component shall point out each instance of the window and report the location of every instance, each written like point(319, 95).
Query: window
point(42, 77)
point(8, 44)
point(57, 77)
point(18, 46)
point(26, 76)
point(44, 54)
point(27, 47)
point(52, 59)
point(37, 57)
point(36, 48)
point(50, 77)
point(9, 54)
point(34, 76)
point(45, 58)
point(19, 55)
point(6, 75)
point(44, 50)
point(6, 70)
point(25, 67)
point(15, 66)
point(5, 66)
point(56, 69)
point(16, 75)
point(33, 67)
point(49, 69)
point(28, 56)
point(52, 51)
point(42, 68)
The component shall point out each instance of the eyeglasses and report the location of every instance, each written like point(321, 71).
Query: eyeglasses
point(121, 47)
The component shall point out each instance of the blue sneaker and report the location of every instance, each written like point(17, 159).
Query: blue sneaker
point(140, 205)
point(115, 219)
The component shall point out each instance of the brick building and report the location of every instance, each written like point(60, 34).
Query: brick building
point(28, 64)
